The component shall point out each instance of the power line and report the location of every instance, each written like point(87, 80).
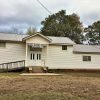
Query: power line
point(44, 7)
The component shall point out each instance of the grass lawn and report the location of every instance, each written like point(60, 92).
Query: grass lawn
point(69, 86)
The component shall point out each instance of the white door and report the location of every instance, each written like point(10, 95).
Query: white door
point(35, 58)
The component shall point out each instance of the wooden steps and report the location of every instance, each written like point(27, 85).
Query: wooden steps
point(36, 69)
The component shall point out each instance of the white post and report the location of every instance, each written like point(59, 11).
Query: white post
point(26, 55)
point(46, 55)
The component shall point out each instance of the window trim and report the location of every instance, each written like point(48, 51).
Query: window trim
point(4, 46)
point(32, 56)
point(64, 47)
point(86, 58)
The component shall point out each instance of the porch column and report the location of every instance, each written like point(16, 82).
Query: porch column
point(26, 55)
point(46, 63)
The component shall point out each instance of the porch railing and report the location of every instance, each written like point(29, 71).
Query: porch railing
point(12, 65)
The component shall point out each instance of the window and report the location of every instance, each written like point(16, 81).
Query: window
point(86, 58)
point(35, 56)
point(2, 44)
point(39, 56)
point(32, 56)
point(64, 47)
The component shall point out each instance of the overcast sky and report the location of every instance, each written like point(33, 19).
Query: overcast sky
point(24, 13)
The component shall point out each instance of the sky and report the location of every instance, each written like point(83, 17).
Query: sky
point(25, 13)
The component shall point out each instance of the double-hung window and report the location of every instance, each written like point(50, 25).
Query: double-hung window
point(86, 58)
point(64, 47)
point(2, 44)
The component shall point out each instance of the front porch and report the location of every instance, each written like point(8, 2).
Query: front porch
point(36, 56)
point(36, 51)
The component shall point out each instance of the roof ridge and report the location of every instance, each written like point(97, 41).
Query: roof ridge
point(58, 36)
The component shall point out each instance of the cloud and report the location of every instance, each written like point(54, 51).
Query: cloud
point(29, 12)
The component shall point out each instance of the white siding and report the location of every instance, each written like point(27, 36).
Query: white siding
point(12, 52)
point(37, 39)
point(54, 56)
point(59, 59)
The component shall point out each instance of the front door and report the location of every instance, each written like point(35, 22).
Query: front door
point(35, 58)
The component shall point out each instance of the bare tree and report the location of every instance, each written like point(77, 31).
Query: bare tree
point(31, 30)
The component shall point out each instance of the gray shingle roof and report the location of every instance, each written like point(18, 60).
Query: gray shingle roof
point(19, 37)
point(86, 49)
point(60, 40)
point(11, 37)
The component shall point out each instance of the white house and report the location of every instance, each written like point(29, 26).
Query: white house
point(52, 52)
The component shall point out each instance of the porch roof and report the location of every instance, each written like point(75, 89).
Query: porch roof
point(34, 45)
point(45, 37)
point(54, 39)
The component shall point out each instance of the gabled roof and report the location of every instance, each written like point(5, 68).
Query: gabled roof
point(61, 40)
point(21, 37)
point(86, 49)
point(45, 37)
point(53, 39)
point(12, 37)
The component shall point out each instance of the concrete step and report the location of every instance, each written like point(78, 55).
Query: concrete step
point(36, 69)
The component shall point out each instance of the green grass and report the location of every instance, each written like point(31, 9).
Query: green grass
point(9, 74)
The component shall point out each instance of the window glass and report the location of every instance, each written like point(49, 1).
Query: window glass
point(31, 56)
point(64, 47)
point(86, 58)
point(39, 56)
point(2, 44)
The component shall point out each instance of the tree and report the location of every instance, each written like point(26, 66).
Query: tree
point(31, 31)
point(93, 33)
point(60, 24)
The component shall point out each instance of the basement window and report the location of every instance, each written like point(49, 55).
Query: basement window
point(64, 47)
point(86, 58)
point(2, 44)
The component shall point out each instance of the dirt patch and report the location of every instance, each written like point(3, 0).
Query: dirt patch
point(81, 87)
